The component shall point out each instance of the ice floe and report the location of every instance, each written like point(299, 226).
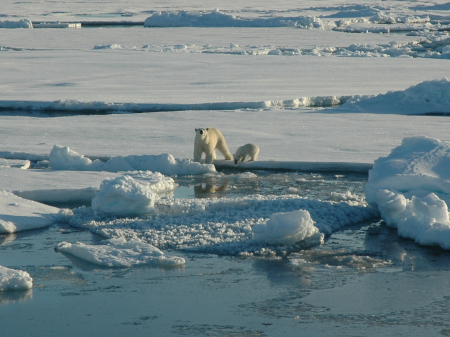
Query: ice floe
point(411, 188)
point(217, 18)
point(119, 253)
point(24, 23)
point(123, 196)
point(288, 228)
point(336, 259)
point(224, 226)
point(18, 214)
point(11, 279)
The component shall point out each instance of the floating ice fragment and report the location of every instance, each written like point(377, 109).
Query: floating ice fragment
point(11, 279)
point(123, 196)
point(287, 228)
point(119, 253)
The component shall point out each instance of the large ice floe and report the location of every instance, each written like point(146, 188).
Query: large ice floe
point(119, 253)
point(11, 279)
point(411, 188)
point(229, 225)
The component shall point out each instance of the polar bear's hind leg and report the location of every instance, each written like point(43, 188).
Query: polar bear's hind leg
point(254, 156)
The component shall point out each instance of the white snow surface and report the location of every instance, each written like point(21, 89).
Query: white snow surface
point(11, 279)
point(119, 253)
point(411, 188)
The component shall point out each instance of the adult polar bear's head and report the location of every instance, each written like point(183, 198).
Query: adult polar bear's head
point(201, 132)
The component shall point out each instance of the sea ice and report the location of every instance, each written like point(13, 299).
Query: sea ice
point(18, 214)
point(11, 279)
point(288, 228)
point(123, 196)
point(426, 97)
point(411, 188)
point(24, 23)
point(119, 253)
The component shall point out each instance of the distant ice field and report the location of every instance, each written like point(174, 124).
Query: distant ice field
point(140, 77)
point(199, 65)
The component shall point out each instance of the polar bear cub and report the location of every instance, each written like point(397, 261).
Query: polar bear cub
point(245, 151)
point(207, 141)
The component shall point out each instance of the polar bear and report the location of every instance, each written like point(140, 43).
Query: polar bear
point(245, 151)
point(208, 140)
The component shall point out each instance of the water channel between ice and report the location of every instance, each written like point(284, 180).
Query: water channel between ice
point(232, 184)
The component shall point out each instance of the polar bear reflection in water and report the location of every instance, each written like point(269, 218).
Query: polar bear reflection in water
point(207, 140)
point(208, 190)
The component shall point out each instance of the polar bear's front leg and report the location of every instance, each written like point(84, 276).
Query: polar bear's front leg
point(198, 154)
point(210, 157)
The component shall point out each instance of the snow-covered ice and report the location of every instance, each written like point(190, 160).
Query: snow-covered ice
point(288, 228)
point(123, 196)
point(411, 189)
point(11, 279)
point(18, 214)
point(119, 253)
point(426, 97)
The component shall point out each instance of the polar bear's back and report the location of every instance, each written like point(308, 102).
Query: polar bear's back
point(250, 149)
point(215, 136)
